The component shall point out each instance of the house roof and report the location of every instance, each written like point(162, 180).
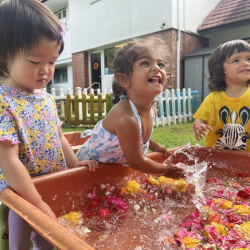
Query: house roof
point(227, 14)
point(201, 52)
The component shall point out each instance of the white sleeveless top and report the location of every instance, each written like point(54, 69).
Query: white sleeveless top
point(105, 147)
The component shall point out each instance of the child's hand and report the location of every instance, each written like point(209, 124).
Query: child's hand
point(156, 147)
point(44, 207)
point(200, 129)
point(92, 164)
point(172, 171)
point(163, 150)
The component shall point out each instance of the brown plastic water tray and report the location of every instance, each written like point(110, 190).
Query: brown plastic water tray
point(75, 140)
point(62, 182)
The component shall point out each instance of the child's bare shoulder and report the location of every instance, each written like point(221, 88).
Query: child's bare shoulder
point(120, 115)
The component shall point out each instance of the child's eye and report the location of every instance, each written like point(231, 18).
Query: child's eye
point(145, 63)
point(34, 62)
point(52, 63)
point(161, 65)
point(234, 61)
point(248, 59)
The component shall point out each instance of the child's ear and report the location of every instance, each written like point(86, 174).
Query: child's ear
point(122, 79)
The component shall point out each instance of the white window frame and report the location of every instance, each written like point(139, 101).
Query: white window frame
point(64, 19)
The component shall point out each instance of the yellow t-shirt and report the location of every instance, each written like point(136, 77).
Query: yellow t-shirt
point(229, 118)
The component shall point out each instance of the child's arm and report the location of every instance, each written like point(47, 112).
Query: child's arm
point(71, 158)
point(153, 145)
point(126, 129)
point(200, 127)
point(156, 147)
point(18, 177)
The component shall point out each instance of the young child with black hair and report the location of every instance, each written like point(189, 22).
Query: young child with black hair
point(124, 135)
point(31, 139)
point(225, 112)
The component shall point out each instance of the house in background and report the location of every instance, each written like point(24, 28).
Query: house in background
point(95, 28)
point(229, 20)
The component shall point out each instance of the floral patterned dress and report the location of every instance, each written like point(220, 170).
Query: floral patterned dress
point(31, 120)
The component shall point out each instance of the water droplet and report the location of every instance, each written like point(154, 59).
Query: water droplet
point(55, 197)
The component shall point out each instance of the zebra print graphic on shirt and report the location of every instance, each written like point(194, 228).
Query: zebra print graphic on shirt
point(233, 136)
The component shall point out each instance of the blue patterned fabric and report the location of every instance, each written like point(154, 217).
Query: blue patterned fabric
point(105, 147)
point(31, 120)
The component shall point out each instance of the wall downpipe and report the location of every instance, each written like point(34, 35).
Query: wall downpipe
point(178, 44)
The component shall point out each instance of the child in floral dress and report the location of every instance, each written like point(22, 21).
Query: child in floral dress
point(31, 139)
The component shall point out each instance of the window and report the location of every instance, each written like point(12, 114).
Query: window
point(61, 75)
point(109, 56)
point(62, 16)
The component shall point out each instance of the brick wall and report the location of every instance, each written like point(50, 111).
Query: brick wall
point(189, 42)
point(80, 69)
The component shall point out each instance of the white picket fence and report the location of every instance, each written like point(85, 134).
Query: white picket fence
point(171, 105)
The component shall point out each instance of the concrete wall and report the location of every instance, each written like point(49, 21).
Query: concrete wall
point(216, 38)
point(108, 22)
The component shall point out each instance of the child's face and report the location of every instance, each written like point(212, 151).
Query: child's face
point(149, 74)
point(237, 68)
point(34, 70)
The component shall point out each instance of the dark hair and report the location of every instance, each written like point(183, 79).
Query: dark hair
point(127, 55)
point(22, 24)
point(218, 58)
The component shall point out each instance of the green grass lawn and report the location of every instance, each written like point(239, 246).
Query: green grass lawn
point(168, 136)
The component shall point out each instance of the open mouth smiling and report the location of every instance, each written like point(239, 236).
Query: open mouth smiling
point(155, 80)
point(245, 70)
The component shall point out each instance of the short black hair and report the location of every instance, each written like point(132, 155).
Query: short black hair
point(218, 58)
point(22, 24)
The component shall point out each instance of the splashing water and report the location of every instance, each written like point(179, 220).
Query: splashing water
point(152, 216)
point(195, 174)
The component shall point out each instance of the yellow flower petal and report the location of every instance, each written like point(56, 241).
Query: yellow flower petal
point(221, 230)
point(225, 204)
point(240, 209)
point(133, 187)
point(190, 242)
point(245, 227)
point(73, 217)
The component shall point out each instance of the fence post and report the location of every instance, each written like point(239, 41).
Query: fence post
point(104, 103)
point(161, 109)
point(79, 93)
point(84, 107)
point(179, 104)
point(4, 232)
point(62, 102)
point(99, 106)
point(189, 104)
point(167, 107)
point(68, 109)
point(173, 106)
point(157, 109)
point(92, 108)
point(53, 92)
point(184, 105)
point(76, 105)
point(110, 102)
